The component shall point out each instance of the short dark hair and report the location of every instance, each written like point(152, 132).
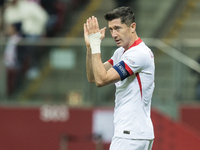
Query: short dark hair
point(124, 13)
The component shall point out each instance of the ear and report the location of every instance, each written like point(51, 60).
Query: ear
point(133, 27)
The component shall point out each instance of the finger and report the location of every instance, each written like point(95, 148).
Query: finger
point(91, 25)
point(96, 24)
point(88, 26)
point(85, 28)
point(90, 22)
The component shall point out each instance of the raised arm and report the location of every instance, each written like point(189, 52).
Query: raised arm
point(89, 69)
point(103, 74)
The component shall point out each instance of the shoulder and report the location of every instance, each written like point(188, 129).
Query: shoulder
point(138, 56)
point(118, 51)
point(140, 50)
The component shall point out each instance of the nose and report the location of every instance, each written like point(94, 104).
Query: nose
point(114, 34)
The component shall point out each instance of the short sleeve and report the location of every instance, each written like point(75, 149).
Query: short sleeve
point(116, 56)
point(135, 61)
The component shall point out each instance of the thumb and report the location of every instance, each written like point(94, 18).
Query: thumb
point(102, 31)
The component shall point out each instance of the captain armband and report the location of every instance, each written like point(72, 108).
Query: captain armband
point(95, 41)
point(120, 68)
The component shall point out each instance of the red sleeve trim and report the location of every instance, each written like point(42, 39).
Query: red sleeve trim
point(110, 61)
point(128, 69)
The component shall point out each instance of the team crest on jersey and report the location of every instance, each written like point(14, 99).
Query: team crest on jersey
point(131, 61)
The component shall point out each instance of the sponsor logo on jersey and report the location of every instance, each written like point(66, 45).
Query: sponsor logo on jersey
point(131, 61)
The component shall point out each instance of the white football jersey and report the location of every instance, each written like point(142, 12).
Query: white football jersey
point(134, 92)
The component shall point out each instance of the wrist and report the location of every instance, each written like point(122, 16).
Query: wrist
point(95, 41)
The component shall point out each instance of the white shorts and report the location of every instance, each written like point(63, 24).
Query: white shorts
point(130, 144)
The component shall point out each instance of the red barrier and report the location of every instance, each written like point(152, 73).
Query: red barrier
point(189, 115)
point(60, 128)
point(23, 129)
point(171, 135)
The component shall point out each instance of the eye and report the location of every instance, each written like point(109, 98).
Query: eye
point(117, 28)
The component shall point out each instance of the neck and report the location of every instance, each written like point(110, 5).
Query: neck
point(134, 38)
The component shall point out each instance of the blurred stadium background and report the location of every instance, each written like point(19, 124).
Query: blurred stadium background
point(56, 108)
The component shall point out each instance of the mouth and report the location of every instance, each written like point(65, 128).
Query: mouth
point(117, 41)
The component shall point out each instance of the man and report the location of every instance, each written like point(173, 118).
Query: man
point(34, 19)
point(131, 68)
point(11, 54)
point(32, 16)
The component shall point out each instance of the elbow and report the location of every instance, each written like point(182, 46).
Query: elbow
point(99, 83)
point(91, 81)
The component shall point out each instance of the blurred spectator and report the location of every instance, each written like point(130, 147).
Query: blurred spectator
point(1, 3)
point(34, 19)
point(50, 7)
point(56, 10)
point(10, 56)
point(37, 1)
point(32, 16)
point(1, 14)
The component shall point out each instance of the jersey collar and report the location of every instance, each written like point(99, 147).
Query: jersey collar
point(137, 42)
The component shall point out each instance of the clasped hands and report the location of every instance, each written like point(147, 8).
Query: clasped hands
point(92, 32)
